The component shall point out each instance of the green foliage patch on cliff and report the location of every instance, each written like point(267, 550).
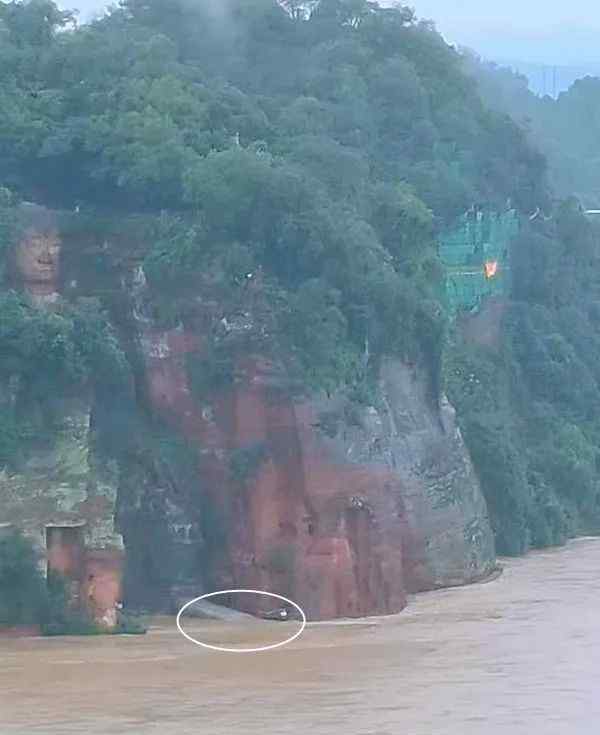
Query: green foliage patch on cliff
point(8, 222)
point(75, 341)
point(22, 590)
point(245, 462)
point(47, 354)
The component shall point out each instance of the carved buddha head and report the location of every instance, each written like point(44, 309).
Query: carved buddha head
point(37, 257)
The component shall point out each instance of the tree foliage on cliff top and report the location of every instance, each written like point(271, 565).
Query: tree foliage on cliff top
point(324, 141)
point(126, 109)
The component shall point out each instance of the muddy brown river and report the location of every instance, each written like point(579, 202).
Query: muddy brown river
point(518, 655)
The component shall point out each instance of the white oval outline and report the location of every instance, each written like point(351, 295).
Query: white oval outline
point(241, 650)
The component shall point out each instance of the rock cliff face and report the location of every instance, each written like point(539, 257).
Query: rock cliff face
point(58, 481)
point(345, 508)
point(60, 490)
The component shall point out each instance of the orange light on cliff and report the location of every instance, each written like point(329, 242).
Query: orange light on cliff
point(491, 269)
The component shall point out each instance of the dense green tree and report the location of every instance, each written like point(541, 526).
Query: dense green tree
point(529, 407)
point(296, 161)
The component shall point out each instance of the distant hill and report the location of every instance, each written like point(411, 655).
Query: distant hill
point(547, 79)
point(564, 129)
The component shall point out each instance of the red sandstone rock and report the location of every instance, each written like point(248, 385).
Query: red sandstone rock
point(341, 535)
point(65, 557)
point(343, 523)
point(102, 587)
point(293, 527)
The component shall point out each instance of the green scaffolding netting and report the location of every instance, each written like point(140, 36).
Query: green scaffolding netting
point(476, 254)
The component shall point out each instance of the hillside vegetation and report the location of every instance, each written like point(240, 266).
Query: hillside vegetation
point(565, 130)
point(318, 148)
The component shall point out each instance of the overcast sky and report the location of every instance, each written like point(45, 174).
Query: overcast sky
point(546, 31)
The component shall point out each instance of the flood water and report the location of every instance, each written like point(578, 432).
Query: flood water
point(518, 655)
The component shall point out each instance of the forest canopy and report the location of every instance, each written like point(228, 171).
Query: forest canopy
point(324, 143)
point(319, 148)
point(565, 129)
